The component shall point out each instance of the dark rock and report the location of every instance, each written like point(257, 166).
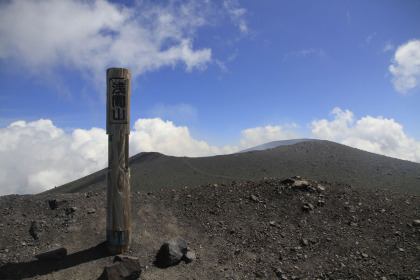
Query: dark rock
point(128, 268)
point(53, 204)
point(52, 255)
point(34, 231)
point(171, 252)
point(288, 181)
point(416, 223)
point(70, 210)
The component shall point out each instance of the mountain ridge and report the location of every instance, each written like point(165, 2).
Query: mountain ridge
point(275, 144)
point(317, 160)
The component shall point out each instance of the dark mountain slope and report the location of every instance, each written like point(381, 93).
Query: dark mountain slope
point(274, 144)
point(315, 160)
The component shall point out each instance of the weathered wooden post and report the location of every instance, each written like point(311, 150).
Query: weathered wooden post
point(118, 223)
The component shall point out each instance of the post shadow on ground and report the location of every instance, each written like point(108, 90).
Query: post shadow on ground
point(38, 267)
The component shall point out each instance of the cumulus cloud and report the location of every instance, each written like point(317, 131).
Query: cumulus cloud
point(378, 135)
point(92, 35)
point(252, 137)
point(405, 67)
point(37, 155)
point(156, 135)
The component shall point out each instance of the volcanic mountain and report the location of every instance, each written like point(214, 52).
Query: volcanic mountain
point(310, 210)
point(314, 159)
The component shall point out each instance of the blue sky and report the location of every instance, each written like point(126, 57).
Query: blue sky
point(208, 77)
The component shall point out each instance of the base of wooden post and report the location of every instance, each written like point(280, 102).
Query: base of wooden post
point(118, 242)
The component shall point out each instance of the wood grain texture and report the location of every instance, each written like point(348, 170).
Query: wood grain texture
point(118, 175)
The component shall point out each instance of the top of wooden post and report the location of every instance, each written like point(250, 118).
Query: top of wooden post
point(118, 84)
point(118, 73)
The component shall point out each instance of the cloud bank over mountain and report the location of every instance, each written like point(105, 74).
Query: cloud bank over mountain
point(378, 135)
point(37, 156)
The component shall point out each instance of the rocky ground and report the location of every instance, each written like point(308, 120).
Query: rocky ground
point(270, 229)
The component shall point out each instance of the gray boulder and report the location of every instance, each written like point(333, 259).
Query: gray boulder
point(171, 252)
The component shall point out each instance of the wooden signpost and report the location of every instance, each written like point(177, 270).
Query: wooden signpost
point(118, 226)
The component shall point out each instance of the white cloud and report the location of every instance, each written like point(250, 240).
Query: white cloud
point(348, 16)
point(36, 156)
point(237, 15)
point(331, 129)
point(252, 137)
point(370, 37)
point(304, 53)
point(388, 46)
point(91, 36)
point(156, 135)
point(378, 135)
point(406, 67)
point(222, 63)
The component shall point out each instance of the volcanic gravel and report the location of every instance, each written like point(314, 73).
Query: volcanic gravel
point(270, 229)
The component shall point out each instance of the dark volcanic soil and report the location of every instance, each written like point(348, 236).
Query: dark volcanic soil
point(315, 160)
point(264, 229)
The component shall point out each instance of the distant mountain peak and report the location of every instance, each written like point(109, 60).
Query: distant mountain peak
point(275, 144)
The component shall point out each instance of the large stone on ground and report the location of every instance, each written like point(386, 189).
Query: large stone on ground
point(128, 269)
point(34, 230)
point(171, 252)
point(52, 255)
point(301, 185)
